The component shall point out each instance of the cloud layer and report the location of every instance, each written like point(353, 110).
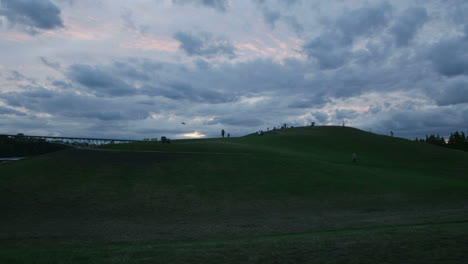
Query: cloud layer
point(141, 69)
point(35, 14)
point(204, 45)
point(220, 5)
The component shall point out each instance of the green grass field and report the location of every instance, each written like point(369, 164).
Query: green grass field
point(290, 196)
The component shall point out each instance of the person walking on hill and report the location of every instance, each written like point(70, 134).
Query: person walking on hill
point(354, 157)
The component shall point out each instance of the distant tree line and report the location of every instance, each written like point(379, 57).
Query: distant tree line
point(21, 147)
point(456, 140)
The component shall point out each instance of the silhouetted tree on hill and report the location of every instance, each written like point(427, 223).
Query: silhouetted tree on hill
point(456, 140)
point(435, 140)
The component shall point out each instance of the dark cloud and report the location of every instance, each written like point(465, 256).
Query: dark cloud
point(103, 115)
point(408, 24)
point(285, 2)
point(375, 109)
point(53, 65)
point(128, 19)
point(9, 111)
point(341, 114)
point(204, 44)
point(37, 92)
point(411, 123)
point(13, 99)
point(61, 84)
point(315, 101)
point(456, 92)
point(179, 91)
point(130, 71)
point(220, 5)
point(20, 78)
point(36, 14)
point(321, 117)
point(17, 76)
point(73, 105)
point(146, 78)
point(259, 76)
point(272, 14)
point(328, 51)
point(236, 121)
point(100, 80)
point(333, 48)
point(271, 17)
point(259, 2)
point(457, 11)
point(290, 2)
point(26, 98)
point(365, 21)
point(202, 64)
point(294, 24)
point(450, 56)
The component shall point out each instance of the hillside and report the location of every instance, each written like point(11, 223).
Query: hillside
point(289, 194)
point(21, 147)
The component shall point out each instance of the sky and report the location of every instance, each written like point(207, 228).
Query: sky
point(141, 68)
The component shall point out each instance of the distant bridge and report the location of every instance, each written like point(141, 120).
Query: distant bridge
point(95, 141)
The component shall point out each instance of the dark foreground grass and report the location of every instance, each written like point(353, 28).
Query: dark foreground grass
point(291, 196)
point(421, 243)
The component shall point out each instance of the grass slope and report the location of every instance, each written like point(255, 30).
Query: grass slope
point(292, 195)
point(10, 147)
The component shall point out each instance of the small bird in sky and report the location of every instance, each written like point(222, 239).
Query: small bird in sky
point(183, 123)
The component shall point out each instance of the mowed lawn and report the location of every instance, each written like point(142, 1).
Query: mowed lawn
point(289, 196)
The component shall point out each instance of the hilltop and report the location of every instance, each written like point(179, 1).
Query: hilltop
point(292, 191)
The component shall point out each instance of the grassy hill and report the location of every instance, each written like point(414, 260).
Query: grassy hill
point(21, 147)
point(292, 195)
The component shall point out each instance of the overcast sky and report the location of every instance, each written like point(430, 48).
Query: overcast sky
point(140, 68)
